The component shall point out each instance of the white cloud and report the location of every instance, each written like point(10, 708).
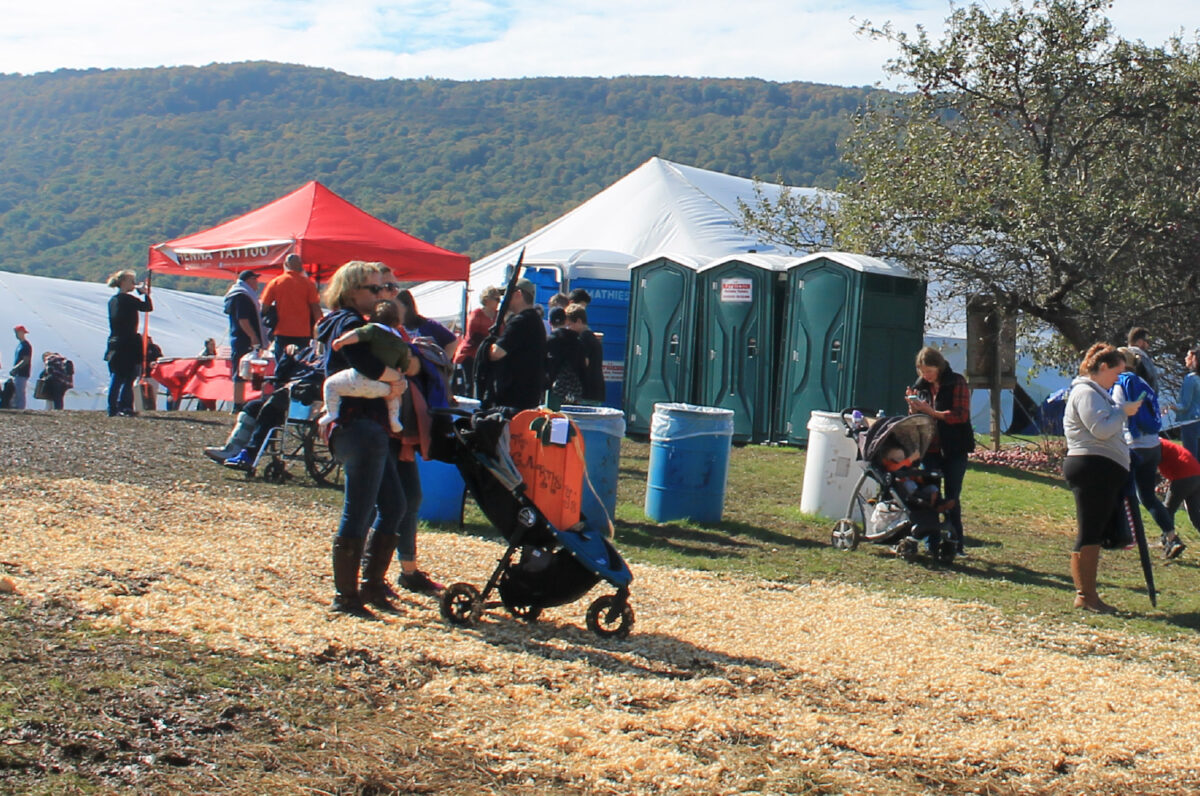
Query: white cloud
point(475, 39)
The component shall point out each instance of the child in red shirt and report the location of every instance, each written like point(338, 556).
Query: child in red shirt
point(1182, 470)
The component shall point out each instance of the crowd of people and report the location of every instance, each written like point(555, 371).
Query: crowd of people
point(378, 366)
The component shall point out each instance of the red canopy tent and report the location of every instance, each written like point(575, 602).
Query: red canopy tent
point(315, 223)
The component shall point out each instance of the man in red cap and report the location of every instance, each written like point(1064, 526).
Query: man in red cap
point(21, 364)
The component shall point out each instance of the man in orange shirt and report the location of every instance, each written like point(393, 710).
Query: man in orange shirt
point(292, 298)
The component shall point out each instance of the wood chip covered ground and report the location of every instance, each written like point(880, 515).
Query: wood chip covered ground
point(727, 685)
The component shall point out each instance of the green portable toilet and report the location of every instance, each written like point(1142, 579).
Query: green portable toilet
point(851, 330)
point(738, 339)
point(660, 341)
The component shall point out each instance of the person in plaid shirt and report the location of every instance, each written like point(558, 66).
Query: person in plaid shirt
point(943, 395)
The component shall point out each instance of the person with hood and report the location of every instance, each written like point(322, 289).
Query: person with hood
point(1145, 451)
point(246, 332)
point(124, 354)
point(1096, 466)
point(19, 373)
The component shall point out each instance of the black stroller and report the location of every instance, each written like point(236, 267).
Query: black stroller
point(553, 566)
point(896, 502)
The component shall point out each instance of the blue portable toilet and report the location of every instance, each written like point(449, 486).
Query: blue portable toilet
point(606, 279)
point(605, 276)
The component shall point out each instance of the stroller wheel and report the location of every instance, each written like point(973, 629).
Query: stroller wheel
point(908, 548)
point(845, 535)
point(605, 621)
point(526, 613)
point(461, 604)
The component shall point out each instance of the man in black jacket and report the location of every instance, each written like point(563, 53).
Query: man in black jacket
point(518, 357)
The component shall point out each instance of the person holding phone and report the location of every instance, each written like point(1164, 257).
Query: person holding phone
point(1138, 400)
point(943, 395)
point(1096, 467)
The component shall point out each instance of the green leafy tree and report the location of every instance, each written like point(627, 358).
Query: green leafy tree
point(1037, 158)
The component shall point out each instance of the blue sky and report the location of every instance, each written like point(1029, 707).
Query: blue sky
point(476, 39)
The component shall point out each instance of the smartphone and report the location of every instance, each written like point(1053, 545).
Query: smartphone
point(912, 397)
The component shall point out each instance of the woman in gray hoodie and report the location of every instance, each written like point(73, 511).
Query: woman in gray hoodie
point(1096, 466)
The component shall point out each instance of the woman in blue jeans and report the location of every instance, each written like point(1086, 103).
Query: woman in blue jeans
point(943, 395)
point(377, 487)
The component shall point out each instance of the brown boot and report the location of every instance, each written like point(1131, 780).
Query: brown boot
point(1083, 571)
point(374, 588)
point(347, 553)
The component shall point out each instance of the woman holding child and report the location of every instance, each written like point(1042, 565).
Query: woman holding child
point(378, 484)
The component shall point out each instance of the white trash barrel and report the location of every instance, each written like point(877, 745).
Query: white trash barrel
point(831, 467)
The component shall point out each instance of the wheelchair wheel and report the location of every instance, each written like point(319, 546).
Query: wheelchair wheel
point(275, 472)
point(319, 462)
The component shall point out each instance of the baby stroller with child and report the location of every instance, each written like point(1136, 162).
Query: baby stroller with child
point(896, 501)
point(555, 555)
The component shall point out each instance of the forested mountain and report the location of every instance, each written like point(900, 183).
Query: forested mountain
point(97, 165)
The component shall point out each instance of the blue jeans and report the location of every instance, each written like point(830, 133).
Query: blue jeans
point(1144, 463)
point(410, 481)
point(954, 470)
point(120, 390)
point(1190, 437)
point(373, 486)
point(20, 383)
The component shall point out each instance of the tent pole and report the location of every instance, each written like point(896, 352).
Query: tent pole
point(142, 380)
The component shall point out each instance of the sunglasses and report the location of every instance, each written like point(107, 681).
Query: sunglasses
point(375, 289)
point(392, 286)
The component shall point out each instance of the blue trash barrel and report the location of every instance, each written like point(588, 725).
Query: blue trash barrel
point(442, 490)
point(602, 430)
point(442, 487)
point(689, 462)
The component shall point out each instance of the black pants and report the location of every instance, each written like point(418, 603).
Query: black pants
point(1096, 482)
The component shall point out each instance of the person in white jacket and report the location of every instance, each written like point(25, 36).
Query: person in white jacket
point(1096, 466)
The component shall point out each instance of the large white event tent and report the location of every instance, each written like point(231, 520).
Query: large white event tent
point(71, 318)
point(659, 208)
point(666, 208)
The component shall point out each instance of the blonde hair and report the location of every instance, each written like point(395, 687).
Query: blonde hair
point(345, 281)
point(115, 279)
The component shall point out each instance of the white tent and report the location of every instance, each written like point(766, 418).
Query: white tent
point(659, 207)
point(72, 318)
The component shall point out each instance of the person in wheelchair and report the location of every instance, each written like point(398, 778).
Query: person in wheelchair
point(298, 378)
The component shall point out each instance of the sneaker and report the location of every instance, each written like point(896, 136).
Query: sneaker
point(1172, 547)
point(243, 461)
point(417, 581)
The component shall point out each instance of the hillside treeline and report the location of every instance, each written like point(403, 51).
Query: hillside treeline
point(96, 165)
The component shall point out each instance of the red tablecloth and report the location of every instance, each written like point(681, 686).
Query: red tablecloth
point(207, 378)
